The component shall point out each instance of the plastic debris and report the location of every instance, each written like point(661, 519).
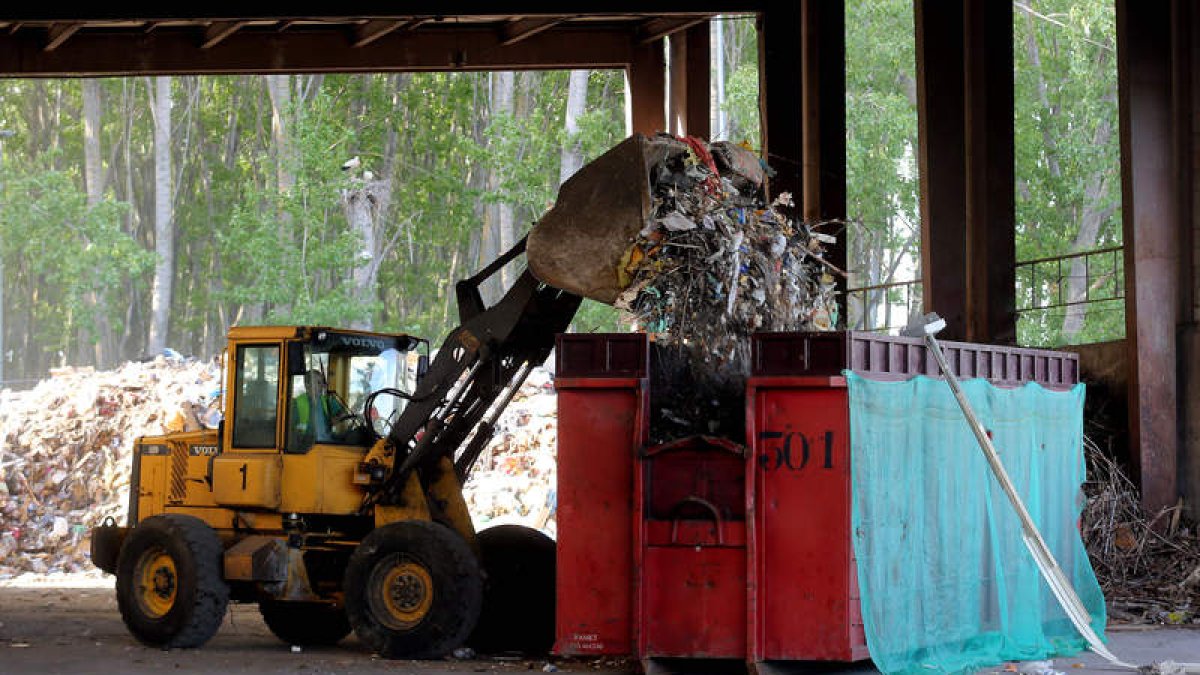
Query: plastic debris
point(463, 653)
point(716, 263)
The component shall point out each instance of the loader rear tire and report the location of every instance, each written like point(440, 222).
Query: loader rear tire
point(170, 588)
point(518, 593)
point(305, 623)
point(413, 590)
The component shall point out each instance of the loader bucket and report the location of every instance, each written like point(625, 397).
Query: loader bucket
point(582, 243)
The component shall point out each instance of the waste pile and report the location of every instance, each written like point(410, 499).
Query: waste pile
point(66, 448)
point(715, 264)
point(1148, 565)
point(513, 480)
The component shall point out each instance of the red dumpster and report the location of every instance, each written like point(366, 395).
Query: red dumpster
point(668, 565)
point(602, 402)
point(803, 584)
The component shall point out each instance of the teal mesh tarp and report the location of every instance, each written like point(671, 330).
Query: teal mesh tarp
point(947, 584)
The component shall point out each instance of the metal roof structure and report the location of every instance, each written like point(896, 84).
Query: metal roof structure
point(229, 38)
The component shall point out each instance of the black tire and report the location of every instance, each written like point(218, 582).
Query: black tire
point(170, 588)
point(518, 593)
point(413, 590)
point(305, 623)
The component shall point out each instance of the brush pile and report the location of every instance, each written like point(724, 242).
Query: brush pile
point(1148, 564)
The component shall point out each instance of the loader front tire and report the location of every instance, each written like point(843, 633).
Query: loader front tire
point(305, 623)
point(170, 588)
point(413, 590)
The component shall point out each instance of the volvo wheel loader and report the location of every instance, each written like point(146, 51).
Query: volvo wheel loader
point(331, 494)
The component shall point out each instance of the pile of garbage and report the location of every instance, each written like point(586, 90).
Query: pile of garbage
point(715, 264)
point(513, 480)
point(66, 450)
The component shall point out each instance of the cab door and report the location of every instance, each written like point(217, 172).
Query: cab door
point(247, 473)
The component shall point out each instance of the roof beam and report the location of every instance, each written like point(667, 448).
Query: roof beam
point(60, 33)
point(657, 29)
point(218, 31)
point(366, 33)
point(218, 10)
point(163, 52)
point(521, 28)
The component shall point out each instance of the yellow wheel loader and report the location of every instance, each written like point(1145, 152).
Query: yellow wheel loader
point(331, 494)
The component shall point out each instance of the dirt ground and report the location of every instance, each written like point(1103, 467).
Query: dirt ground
point(77, 630)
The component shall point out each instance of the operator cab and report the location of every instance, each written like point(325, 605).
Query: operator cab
point(327, 380)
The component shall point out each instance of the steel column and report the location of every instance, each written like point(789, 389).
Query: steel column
point(781, 130)
point(991, 181)
point(941, 141)
point(647, 82)
point(823, 79)
point(1186, 21)
point(804, 129)
point(689, 83)
point(699, 81)
point(1150, 216)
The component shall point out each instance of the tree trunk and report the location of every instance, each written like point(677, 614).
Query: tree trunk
point(93, 172)
point(164, 228)
point(503, 86)
point(280, 92)
point(572, 154)
point(1094, 215)
point(93, 175)
point(365, 203)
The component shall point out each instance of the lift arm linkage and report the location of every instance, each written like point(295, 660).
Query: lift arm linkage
point(475, 374)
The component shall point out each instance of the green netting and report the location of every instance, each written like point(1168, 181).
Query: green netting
point(947, 584)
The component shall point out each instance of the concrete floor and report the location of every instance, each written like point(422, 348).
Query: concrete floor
point(64, 629)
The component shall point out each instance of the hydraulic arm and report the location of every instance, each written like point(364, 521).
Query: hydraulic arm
point(480, 366)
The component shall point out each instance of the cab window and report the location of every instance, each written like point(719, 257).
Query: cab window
point(257, 386)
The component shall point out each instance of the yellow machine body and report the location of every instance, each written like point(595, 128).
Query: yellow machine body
point(247, 481)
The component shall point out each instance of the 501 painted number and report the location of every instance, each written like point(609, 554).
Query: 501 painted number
point(793, 450)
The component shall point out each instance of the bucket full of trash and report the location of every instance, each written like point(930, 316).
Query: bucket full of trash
point(578, 245)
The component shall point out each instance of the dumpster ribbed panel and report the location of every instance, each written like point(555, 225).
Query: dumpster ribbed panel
point(888, 357)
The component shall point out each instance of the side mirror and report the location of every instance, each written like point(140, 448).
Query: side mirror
point(422, 366)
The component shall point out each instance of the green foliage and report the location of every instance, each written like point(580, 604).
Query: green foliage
point(1067, 154)
point(64, 256)
point(882, 187)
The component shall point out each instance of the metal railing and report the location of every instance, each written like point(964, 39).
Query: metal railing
point(1042, 283)
point(883, 308)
